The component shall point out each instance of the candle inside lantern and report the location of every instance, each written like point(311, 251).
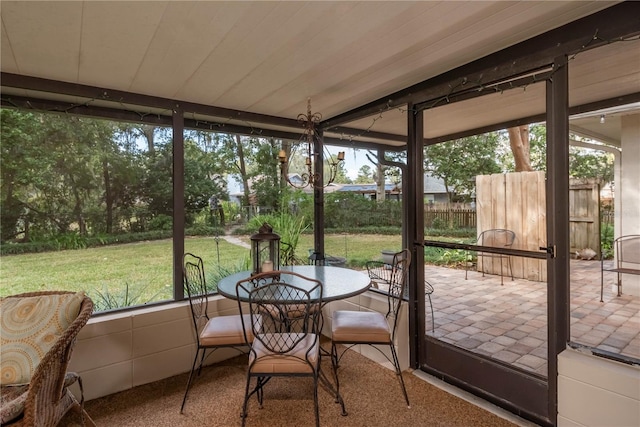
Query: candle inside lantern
point(267, 266)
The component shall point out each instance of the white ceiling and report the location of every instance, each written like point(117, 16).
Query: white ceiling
point(269, 57)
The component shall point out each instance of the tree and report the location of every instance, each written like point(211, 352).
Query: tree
point(341, 174)
point(242, 169)
point(20, 158)
point(266, 185)
point(378, 175)
point(458, 162)
point(588, 163)
point(519, 143)
point(365, 175)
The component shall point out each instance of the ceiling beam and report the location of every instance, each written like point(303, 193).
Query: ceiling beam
point(538, 118)
point(92, 93)
point(368, 134)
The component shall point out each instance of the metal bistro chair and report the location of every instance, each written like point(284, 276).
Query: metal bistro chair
point(380, 274)
point(286, 341)
point(351, 328)
point(627, 249)
point(497, 238)
point(211, 332)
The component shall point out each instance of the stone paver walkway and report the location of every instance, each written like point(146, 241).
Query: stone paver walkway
point(509, 322)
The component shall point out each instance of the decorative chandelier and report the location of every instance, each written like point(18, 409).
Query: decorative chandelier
point(310, 177)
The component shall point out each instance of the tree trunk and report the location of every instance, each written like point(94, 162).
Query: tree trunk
point(380, 190)
point(77, 208)
point(519, 142)
point(243, 171)
point(379, 175)
point(148, 131)
point(108, 196)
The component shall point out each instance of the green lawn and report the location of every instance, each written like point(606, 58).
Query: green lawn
point(146, 269)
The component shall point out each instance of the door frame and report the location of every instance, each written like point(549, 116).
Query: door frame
point(526, 394)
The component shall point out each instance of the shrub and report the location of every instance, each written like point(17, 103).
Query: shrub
point(606, 240)
point(161, 222)
point(124, 297)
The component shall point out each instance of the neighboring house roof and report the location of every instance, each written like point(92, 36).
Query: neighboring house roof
point(366, 188)
point(433, 185)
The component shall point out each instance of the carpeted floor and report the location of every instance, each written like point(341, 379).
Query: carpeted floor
point(371, 392)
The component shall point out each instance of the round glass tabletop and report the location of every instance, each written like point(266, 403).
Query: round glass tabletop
point(337, 282)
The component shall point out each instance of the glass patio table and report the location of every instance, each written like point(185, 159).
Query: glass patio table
point(337, 282)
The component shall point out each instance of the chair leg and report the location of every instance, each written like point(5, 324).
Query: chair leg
point(433, 319)
point(315, 399)
point(466, 265)
point(334, 366)
point(85, 419)
point(204, 351)
point(243, 414)
point(193, 367)
point(88, 421)
point(396, 362)
point(601, 278)
point(260, 391)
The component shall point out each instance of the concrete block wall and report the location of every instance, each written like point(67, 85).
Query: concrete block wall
point(597, 392)
point(121, 351)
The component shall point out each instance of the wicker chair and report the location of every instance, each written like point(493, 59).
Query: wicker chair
point(47, 397)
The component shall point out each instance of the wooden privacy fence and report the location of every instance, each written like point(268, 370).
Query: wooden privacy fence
point(517, 202)
point(584, 215)
point(514, 201)
point(449, 217)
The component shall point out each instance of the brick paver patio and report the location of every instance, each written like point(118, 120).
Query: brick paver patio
point(509, 322)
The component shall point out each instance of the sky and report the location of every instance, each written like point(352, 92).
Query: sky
point(353, 159)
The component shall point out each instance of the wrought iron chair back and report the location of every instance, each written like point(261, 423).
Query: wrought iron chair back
point(350, 328)
point(398, 286)
point(497, 238)
point(285, 322)
point(627, 251)
point(212, 333)
point(196, 286)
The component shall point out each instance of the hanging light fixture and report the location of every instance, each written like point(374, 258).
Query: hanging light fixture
point(310, 177)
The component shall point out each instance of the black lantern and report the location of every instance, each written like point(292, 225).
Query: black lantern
point(265, 250)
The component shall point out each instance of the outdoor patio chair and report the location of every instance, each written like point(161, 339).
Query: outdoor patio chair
point(212, 333)
point(497, 238)
point(37, 393)
point(627, 251)
point(288, 256)
point(286, 341)
point(351, 328)
point(380, 273)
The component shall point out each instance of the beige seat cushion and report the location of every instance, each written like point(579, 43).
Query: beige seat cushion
point(360, 327)
point(262, 361)
point(226, 330)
